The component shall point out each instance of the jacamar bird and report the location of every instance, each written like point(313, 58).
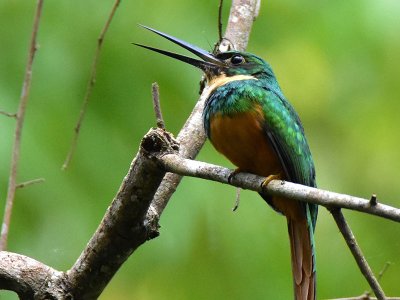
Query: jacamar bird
point(248, 119)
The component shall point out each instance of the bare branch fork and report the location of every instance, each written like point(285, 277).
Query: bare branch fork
point(125, 225)
point(123, 229)
point(157, 106)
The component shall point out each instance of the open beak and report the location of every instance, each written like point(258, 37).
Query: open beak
point(209, 64)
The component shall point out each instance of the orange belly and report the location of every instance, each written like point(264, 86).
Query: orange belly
point(241, 138)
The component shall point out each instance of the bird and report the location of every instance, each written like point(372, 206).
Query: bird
point(248, 120)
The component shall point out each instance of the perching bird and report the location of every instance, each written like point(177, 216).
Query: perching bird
point(248, 119)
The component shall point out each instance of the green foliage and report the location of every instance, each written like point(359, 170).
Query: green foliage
point(337, 61)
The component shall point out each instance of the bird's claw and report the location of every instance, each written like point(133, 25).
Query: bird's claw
point(269, 179)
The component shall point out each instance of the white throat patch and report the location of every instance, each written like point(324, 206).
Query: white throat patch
point(222, 80)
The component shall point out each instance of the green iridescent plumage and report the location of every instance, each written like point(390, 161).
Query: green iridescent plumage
point(282, 126)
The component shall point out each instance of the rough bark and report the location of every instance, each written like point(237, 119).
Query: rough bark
point(31, 279)
point(124, 226)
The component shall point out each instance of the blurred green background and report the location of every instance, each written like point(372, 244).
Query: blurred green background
point(337, 61)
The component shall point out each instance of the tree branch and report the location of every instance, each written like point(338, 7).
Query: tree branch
point(123, 227)
point(220, 6)
point(192, 168)
point(89, 88)
point(12, 181)
point(333, 201)
point(241, 18)
point(29, 278)
point(357, 253)
point(122, 230)
point(155, 91)
point(29, 182)
point(7, 114)
point(186, 167)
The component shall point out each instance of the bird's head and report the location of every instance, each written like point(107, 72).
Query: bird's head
point(225, 64)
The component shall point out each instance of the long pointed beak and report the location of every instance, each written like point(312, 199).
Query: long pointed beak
point(209, 62)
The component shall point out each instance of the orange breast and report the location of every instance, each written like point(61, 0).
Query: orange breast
point(242, 140)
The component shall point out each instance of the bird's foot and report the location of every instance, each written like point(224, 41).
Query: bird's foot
point(233, 174)
point(270, 178)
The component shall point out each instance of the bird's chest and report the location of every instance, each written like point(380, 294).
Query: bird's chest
point(241, 138)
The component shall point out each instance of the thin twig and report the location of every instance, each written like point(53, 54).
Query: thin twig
point(12, 185)
point(357, 253)
point(155, 91)
point(237, 201)
point(11, 115)
point(284, 189)
point(29, 182)
point(380, 274)
point(373, 201)
point(220, 6)
point(90, 86)
point(383, 271)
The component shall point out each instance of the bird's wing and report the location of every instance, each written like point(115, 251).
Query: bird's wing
point(285, 132)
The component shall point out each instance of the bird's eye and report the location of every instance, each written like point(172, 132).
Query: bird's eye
point(237, 60)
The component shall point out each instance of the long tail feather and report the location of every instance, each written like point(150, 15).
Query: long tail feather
point(303, 267)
